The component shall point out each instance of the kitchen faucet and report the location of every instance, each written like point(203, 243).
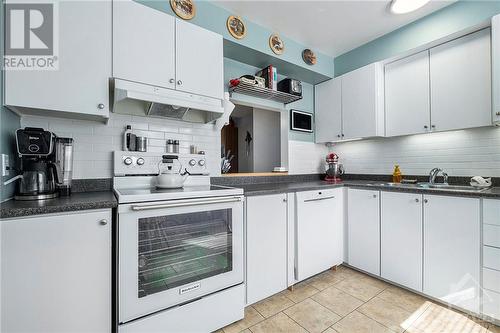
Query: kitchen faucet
point(433, 174)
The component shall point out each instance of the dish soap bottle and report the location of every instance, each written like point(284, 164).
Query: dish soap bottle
point(397, 175)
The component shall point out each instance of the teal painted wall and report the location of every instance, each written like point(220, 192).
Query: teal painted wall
point(235, 69)
point(9, 122)
point(212, 17)
point(451, 19)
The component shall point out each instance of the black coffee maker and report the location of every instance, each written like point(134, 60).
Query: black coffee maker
point(46, 164)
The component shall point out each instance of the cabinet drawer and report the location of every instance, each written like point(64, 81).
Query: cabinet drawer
point(491, 211)
point(491, 304)
point(491, 257)
point(491, 235)
point(491, 279)
point(317, 195)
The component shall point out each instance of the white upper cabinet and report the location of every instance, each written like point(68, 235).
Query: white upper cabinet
point(79, 87)
point(154, 48)
point(328, 110)
point(143, 44)
point(451, 251)
point(495, 51)
point(407, 103)
point(363, 229)
point(401, 238)
point(199, 60)
point(461, 82)
point(362, 102)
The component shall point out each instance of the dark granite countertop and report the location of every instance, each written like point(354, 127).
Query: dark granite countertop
point(75, 202)
point(274, 188)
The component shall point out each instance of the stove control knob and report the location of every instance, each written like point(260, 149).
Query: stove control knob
point(127, 161)
point(192, 162)
point(140, 161)
point(201, 162)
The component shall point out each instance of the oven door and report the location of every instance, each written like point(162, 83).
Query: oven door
point(172, 252)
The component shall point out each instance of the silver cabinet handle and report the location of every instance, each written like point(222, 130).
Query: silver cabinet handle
point(183, 203)
point(498, 113)
point(103, 222)
point(179, 82)
point(319, 199)
point(171, 80)
point(100, 106)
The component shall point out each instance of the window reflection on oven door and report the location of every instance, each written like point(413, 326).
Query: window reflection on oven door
point(174, 252)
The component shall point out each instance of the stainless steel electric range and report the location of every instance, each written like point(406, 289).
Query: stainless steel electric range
point(180, 251)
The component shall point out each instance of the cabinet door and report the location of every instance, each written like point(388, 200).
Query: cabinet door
point(461, 82)
point(407, 104)
point(362, 111)
point(56, 273)
point(266, 246)
point(328, 110)
point(401, 238)
point(363, 214)
point(199, 60)
point(319, 225)
point(80, 85)
point(452, 250)
point(143, 44)
point(495, 61)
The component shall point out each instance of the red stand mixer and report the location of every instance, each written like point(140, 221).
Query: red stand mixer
point(334, 169)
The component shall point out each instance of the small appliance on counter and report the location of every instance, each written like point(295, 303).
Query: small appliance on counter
point(333, 168)
point(46, 165)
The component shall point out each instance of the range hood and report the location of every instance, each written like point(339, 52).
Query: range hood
point(173, 104)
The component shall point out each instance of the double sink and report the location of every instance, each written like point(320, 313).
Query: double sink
point(431, 186)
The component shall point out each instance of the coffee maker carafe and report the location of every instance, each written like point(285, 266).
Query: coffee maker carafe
point(46, 164)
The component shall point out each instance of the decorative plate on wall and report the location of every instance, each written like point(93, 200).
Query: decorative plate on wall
point(185, 9)
point(236, 27)
point(276, 44)
point(309, 57)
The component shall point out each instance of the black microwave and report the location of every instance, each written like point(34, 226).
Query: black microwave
point(301, 121)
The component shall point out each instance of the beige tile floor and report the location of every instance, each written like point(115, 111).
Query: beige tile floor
point(346, 301)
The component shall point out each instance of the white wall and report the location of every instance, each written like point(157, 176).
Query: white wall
point(95, 142)
point(267, 140)
point(459, 153)
point(244, 124)
point(306, 157)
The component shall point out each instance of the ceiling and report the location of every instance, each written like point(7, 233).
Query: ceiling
point(332, 27)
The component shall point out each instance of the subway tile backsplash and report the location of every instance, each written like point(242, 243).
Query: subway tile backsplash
point(460, 153)
point(95, 142)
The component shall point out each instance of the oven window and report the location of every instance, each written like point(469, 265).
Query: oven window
point(178, 249)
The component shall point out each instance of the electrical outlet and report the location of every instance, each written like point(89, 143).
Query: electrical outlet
point(5, 165)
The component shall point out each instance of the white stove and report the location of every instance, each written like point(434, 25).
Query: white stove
point(134, 180)
point(180, 251)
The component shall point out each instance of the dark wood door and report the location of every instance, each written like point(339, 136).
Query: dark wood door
point(229, 141)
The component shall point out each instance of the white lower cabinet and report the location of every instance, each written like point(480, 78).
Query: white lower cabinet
point(363, 223)
point(319, 231)
point(56, 273)
point(452, 251)
point(266, 246)
point(401, 238)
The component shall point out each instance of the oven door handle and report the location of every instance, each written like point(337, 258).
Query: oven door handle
point(184, 203)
